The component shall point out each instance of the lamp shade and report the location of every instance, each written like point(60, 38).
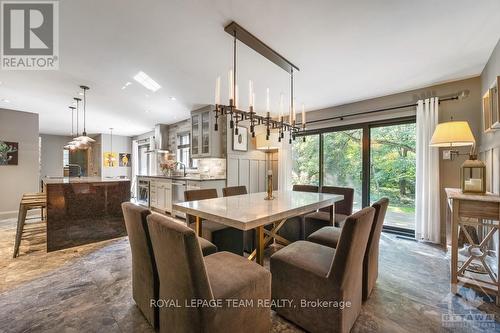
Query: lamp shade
point(262, 144)
point(452, 134)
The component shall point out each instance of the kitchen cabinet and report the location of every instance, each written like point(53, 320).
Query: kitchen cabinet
point(205, 141)
point(161, 195)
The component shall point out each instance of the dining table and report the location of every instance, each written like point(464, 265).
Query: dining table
point(254, 211)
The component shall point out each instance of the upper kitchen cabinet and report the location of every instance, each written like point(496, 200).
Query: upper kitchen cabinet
point(205, 141)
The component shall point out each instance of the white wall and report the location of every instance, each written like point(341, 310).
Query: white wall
point(51, 154)
point(21, 127)
point(121, 144)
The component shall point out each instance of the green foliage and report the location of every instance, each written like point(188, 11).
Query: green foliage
point(392, 162)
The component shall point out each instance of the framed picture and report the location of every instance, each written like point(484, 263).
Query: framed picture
point(124, 160)
point(487, 112)
point(240, 140)
point(109, 159)
point(494, 104)
point(9, 153)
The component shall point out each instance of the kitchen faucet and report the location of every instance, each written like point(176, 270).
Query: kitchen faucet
point(183, 167)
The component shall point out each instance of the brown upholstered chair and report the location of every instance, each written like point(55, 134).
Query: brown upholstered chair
point(187, 277)
point(234, 190)
point(248, 235)
point(144, 274)
point(306, 271)
point(329, 236)
point(317, 220)
point(225, 238)
point(293, 229)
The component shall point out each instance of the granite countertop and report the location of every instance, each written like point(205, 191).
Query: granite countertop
point(193, 178)
point(70, 180)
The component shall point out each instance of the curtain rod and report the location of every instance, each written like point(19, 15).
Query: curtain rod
point(445, 99)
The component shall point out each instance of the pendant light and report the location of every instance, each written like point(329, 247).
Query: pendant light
point(72, 144)
point(110, 157)
point(80, 144)
point(84, 138)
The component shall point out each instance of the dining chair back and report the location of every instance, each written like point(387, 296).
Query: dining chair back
point(234, 190)
point(343, 207)
point(305, 188)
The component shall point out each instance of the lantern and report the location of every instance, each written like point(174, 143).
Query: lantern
point(473, 176)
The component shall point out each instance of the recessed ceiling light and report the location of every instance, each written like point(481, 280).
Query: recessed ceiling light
point(126, 85)
point(172, 98)
point(80, 93)
point(146, 81)
point(5, 100)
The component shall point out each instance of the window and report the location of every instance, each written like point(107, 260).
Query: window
point(305, 157)
point(184, 151)
point(143, 158)
point(376, 159)
point(65, 157)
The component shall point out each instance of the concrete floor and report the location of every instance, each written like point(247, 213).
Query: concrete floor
point(88, 289)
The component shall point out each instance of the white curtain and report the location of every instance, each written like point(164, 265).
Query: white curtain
point(135, 166)
point(427, 196)
point(285, 166)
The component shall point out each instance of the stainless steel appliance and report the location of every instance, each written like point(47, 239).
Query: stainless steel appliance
point(143, 188)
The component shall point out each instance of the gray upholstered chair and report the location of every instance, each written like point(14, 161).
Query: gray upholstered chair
point(144, 273)
point(317, 220)
point(293, 229)
point(225, 238)
point(187, 277)
point(248, 235)
point(329, 236)
point(306, 271)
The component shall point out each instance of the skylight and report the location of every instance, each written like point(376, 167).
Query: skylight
point(146, 81)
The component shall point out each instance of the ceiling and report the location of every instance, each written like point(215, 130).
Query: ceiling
point(346, 50)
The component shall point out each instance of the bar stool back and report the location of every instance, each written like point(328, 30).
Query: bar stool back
point(28, 202)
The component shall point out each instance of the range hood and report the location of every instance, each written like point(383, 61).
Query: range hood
point(160, 142)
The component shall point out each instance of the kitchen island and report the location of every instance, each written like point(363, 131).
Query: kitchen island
point(84, 210)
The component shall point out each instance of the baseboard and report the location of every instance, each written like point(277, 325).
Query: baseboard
point(13, 214)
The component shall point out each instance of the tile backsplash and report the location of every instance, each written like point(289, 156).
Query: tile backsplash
point(212, 167)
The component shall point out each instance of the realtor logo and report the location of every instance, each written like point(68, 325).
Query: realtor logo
point(30, 38)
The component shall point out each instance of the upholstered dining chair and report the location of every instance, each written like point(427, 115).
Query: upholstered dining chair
point(225, 238)
point(234, 190)
point(329, 236)
point(187, 277)
point(248, 235)
point(293, 229)
point(317, 220)
point(305, 271)
point(144, 273)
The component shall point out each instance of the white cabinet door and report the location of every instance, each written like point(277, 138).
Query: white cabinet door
point(153, 194)
point(168, 198)
point(160, 197)
point(244, 173)
point(232, 172)
point(262, 176)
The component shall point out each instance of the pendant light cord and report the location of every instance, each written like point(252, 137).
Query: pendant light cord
point(84, 112)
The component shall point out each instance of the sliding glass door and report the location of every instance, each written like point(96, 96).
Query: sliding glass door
point(392, 172)
point(376, 159)
point(343, 162)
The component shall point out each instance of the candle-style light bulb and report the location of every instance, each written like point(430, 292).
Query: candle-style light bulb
point(217, 90)
point(267, 100)
point(253, 100)
point(281, 105)
point(250, 93)
point(294, 114)
point(237, 97)
point(303, 115)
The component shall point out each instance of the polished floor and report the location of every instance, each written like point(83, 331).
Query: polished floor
point(88, 289)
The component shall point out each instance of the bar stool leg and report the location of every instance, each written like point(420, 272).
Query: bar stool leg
point(21, 219)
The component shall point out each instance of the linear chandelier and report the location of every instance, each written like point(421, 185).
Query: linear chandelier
point(232, 109)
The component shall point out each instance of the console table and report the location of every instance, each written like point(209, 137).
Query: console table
point(480, 213)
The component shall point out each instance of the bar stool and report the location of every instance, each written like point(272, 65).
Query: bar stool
point(28, 202)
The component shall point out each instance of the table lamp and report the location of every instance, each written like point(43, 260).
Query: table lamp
point(458, 134)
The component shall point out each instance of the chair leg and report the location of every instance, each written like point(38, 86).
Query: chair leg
point(21, 219)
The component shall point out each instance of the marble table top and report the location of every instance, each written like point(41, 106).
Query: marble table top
point(249, 211)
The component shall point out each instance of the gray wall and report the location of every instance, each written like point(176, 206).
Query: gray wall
point(490, 72)
point(468, 109)
point(121, 144)
point(51, 154)
point(21, 127)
